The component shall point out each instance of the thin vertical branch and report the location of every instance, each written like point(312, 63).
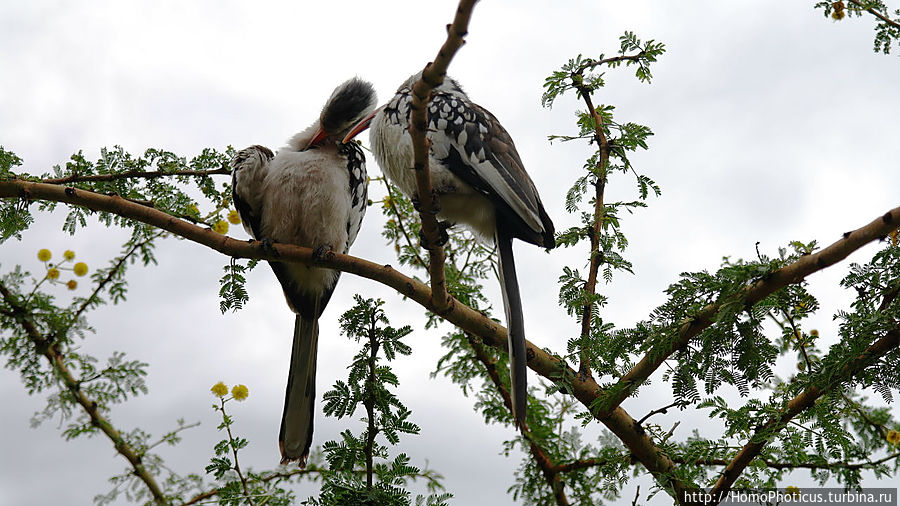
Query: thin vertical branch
point(234, 451)
point(432, 77)
point(597, 256)
point(369, 402)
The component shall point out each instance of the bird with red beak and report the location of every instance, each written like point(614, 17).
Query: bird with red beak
point(313, 193)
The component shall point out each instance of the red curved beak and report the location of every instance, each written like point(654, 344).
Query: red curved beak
point(359, 127)
point(317, 138)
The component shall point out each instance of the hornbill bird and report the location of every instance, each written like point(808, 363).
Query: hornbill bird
point(312, 194)
point(480, 181)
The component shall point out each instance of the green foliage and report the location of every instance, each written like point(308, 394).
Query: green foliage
point(233, 294)
point(887, 29)
point(367, 386)
point(732, 371)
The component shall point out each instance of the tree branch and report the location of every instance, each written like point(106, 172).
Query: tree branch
point(751, 294)
point(428, 205)
point(795, 406)
point(596, 257)
point(48, 349)
point(586, 390)
point(549, 470)
point(875, 13)
point(135, 174)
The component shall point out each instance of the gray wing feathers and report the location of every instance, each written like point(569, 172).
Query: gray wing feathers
point(489, 150)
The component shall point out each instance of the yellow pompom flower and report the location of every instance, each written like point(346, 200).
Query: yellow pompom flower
point(53, 273)
point(792, 490)
point(72, 284)
point(220, 227)
point(69, 254)
point(234, 217)
point(240, 392)
point(894, 237)
point(893, 437)
point(219, 389)
point(814, 333)
point(44, 255)
point(80, 269)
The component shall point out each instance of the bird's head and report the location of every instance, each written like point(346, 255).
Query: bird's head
point(349, 103)
point(448, 86)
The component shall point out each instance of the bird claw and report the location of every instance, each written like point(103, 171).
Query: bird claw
point(442, 239)
point(268, 246)
point(435, 204)
point(320, 252)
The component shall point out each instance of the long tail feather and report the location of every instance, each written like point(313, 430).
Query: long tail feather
point(515, 325)
point(296, 433)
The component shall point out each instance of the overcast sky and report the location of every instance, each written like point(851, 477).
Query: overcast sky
point(772, 124)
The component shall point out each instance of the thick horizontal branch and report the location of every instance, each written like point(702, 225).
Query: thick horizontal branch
point(464, 317)
point(588, 463)
point(751, 294)
point(134, 174)
point(585, 390)
point(49, 350)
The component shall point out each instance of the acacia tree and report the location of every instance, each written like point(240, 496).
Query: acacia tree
point(727, 327)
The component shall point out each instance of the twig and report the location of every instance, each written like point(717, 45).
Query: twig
point(234, 451)
point(662, 410)
point(396, 213)
point(49, 350)
point(369, 401)
point(877, 14)
point(140, 174)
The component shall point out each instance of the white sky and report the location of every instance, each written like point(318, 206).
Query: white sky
point(772, 124)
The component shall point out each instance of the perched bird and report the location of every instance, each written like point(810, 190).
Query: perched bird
point(312, 194)
point(480, 181)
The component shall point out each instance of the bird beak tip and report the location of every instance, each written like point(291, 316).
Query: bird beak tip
point(317, 138)
point(359, 127)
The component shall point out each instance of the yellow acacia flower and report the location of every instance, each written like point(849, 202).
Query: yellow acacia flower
point(44, 255)
point(234, 217)
point(814, 333)
point(80, 269)
point(220, 227)
point(240, 392)
point(219, 389)
point(386, 203)
point(72, 284)
point(69, 254)
point(792, 490)
point(53, 273)
point(893, 437)
point(894, 237)
point(837, 15)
